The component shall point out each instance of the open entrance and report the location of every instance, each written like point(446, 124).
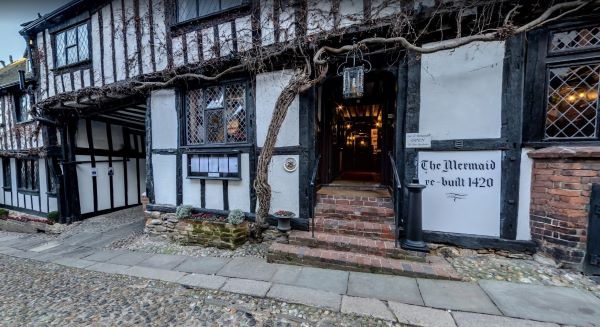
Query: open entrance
point(355, 135)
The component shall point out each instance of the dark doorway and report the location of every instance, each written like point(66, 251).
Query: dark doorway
point(355, 135)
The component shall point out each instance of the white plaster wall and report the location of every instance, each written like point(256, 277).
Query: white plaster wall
point(268, 87)
point(191, 187)
point(132, 49)
point(107, 37)
point(84, 182)
point(319, 16)
point(160, 35)
point(285, 186)
point(461, 92)
point(525, 180)
point(132, 184)
point(50, 61)
point(267, 25)
point(208, 42)
point(99, 135)
point(192, 47)
point(165, 188)
point(351, 12)
point(118, 182)
point(43, 176)
point(225, 39)
point(164, 119)
point(239, 191)
point(53, 204)
point(119, 39)
point(96, 51)
point(2, 198)
point(146, 41)
point(103, 183)
point(243, 29)
point(214, 194)
point(468, 208)
point(178, 59)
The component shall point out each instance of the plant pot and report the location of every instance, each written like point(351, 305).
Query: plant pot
point(284, 223)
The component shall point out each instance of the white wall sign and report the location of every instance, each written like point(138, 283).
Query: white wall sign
point(418, 140)
point(462, 193)
point(94, 171)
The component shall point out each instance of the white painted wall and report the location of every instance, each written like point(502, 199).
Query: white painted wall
point(464, 207)
point(285, 186)
point(165, 188)
point(268, 87)
point(461, 92)
point(525, 180)
point(164, 119)
point(84, 182)
point(239, 191)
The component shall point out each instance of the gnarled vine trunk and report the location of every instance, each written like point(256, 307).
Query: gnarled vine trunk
point(261, 184)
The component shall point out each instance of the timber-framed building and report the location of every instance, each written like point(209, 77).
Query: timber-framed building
point(504, 134)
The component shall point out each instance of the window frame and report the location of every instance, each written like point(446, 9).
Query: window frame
point(177, 21)
point(34, 189)
point(6, 172)
point(18, 112)
point(65, 30)
point(249, 108)
point(538, 62)
point(227, 176)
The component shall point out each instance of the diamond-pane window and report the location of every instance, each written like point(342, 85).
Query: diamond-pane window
point(188, 9)
point(72, 46)
point(27, 174)
point(572, 104)
point(576, 39)
point(217, 115)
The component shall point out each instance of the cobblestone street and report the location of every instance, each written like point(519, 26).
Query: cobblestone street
point(45, 294)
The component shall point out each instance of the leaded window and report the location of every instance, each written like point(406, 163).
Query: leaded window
point(6, 176)
point(217, 115)
point(72, 46)
point(576, 39)
point(572, 106)
point(27, 170)
point(23, 108)
point(189, 9)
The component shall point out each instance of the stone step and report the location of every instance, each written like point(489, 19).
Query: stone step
point(366, 229)
point(354, 244)
point(355, 213)
point(434, 267)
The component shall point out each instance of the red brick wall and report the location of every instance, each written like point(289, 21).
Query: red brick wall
point(560, 196)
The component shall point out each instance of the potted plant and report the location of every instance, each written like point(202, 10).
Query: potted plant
point(284, 220)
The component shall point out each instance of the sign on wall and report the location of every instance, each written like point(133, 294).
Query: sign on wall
point(462, 193)
point(418, 140)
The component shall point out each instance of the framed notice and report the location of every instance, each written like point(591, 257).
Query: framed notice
point(214, 165)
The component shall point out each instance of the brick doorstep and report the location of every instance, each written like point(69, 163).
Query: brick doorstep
point(435, 268)
point(354, 244)
point(370, 230)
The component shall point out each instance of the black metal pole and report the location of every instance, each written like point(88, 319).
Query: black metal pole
point(414, 223)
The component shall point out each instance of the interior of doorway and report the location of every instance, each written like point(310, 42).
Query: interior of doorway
point(356, 134)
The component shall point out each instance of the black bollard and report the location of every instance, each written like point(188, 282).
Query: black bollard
point(414, 222)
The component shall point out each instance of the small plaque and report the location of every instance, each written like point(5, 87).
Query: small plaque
point(111, 171)
point(418, 141)
point(94, 172)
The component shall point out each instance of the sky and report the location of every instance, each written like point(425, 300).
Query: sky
point(13, 13)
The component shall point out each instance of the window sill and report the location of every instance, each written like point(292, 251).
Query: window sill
point(7, 188)
point(219, 148)
point(215, 178)
point(72, 67)
point(30, 192)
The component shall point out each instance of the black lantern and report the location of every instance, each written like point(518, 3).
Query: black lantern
point(354, 76)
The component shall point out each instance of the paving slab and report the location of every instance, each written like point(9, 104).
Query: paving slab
point(103, 255)
point(46, 256)
point(203, 281)
point(45, 246)
point(246, 286)
point(323, 279)
point(366, 307)
point(286, 274)
point(26, 255)
point(130, 258)
point(421, 316)
point(202, 265)
point(28, 243)
point(163, 261)
point(11, 251)
point(561, 305)
point(81, 238)
point(453, 295)
point(73, 262)
point(79, 253)
point(109, 268)
point(468, 319)
point(306, 296)
point(391, 288)
point(248, 268)
point(154, 273)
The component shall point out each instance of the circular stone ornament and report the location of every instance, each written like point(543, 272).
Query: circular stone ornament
point(290, 165)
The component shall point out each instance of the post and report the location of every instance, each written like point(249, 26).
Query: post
point(414, 223)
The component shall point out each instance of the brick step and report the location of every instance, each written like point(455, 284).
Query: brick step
point(356, 201)
point(370, 230)
point(354, 244)
point(434, 268)
point(354, 212)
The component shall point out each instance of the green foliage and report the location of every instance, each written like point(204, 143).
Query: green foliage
point(53, 216)
point(3, 213)
point(184, 212)
point(236, 217)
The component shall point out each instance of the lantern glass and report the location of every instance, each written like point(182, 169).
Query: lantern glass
point(354, 82)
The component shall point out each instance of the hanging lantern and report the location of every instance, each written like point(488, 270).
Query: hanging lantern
point(354, 76)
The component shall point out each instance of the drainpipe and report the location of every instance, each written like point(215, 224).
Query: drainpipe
point(414, 222)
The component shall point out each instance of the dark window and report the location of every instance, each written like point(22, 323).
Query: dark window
point(217, 115)
point(27, 170)
point(6, 179)
point(51, 178)
point(72, 46)
point(189, 9)
point(23, 108)
point(214, 165)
